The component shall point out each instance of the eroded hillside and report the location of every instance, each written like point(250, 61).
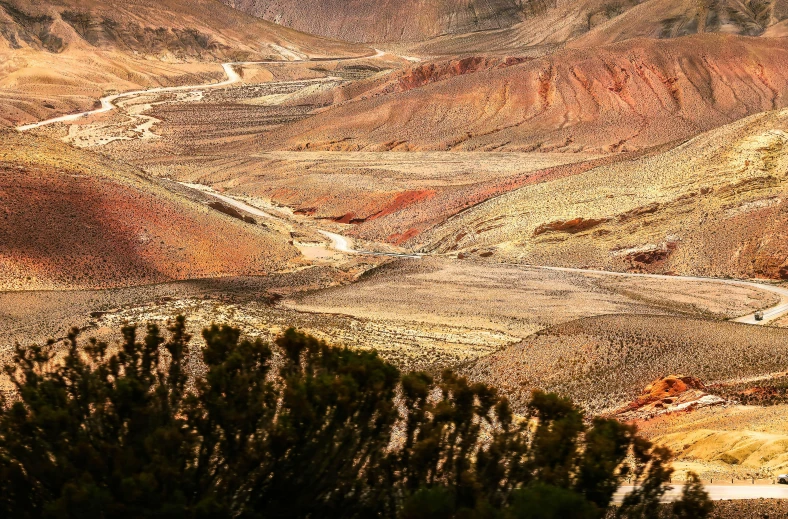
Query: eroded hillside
point(620, 97)
point(198, 29)
point(391, 20)
point(61, 57)
point(473, 26)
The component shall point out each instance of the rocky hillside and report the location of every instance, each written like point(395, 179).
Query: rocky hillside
point(60, 57)
point(193, 29)
point(675, 18)
point(391, 20)
point(490, 25)
point(716, 205)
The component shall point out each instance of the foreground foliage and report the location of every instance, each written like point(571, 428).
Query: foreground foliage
point(330, 433)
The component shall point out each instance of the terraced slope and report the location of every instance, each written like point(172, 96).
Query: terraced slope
point(715, 205)
point(73, 219)
point(621, 97)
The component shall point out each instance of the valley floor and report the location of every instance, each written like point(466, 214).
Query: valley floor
point(458, 301)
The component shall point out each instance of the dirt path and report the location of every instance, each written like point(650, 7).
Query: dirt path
point(768, 315)
point(338, 242)
point(108, 102)
point(719, 492)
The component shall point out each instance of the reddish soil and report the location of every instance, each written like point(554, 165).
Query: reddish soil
point(621, 97)
point(69, 219)
point(424, 74)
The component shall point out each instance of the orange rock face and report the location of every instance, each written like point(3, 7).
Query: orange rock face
point(667, 387)
point(424, 74)
point(669, 394)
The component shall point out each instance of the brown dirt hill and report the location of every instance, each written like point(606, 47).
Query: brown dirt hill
point(73, 219)
point(625, 96)
point(185, 29)
point(391, 20)
point(604, 362)
point(716, 205)
point(389, 82)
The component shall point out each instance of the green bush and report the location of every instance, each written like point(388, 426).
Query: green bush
point(329, 432)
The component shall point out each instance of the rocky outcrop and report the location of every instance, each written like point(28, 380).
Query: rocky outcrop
point(572, 226)
point(423, 74)
point(669, 394)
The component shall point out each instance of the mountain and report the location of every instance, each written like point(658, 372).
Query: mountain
point(456, 26)
point(621, 97)
point(73, 219)
point(389, 20)
point(167, 29)
point(590, 23)
point(60, 57)
point(675, 18)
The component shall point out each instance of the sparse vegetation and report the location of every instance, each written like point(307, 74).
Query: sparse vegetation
point(603, 362)
point(767, 392)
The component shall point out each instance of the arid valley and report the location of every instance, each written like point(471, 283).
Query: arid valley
point(582, 197)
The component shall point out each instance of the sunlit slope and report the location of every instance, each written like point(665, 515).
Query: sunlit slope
point(715, 205)
point(73, 219)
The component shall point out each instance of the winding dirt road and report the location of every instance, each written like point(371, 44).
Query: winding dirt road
point(768, 315)
point(108, 102)
point(719, 492)
point(338, 242)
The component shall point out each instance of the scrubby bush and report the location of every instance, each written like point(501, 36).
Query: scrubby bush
point(694, 501)
point(297, 429)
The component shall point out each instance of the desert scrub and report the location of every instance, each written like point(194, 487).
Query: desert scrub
point(604, 362)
